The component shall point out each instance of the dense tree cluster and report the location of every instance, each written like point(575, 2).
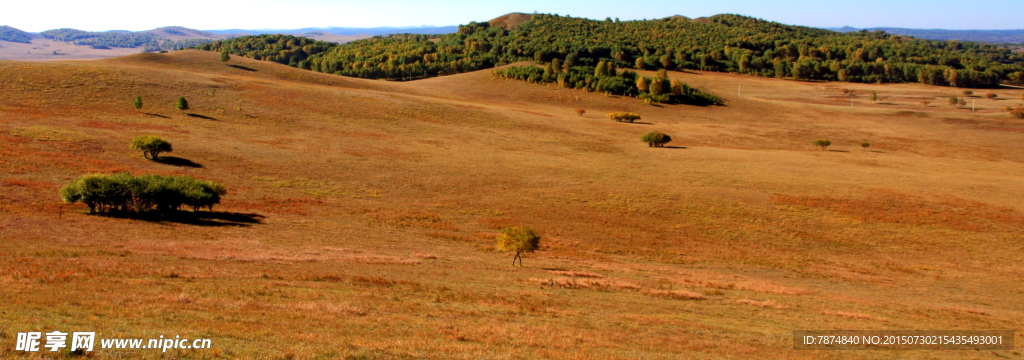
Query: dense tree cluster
point(284, 49)
point(729, 43)
point(11, 34)
point(139, 194)
point(605, 78)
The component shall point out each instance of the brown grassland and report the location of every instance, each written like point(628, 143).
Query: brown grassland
point(372, 208)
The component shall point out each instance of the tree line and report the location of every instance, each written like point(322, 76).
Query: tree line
point(725, 43)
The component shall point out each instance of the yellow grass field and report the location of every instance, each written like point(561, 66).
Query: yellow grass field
point(361, 215)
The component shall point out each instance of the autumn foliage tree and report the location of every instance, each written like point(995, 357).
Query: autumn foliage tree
point(518, 239)
point(624, 116)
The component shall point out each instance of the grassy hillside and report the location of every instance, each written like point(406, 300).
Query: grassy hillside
point(360, 215)
point(724, 43)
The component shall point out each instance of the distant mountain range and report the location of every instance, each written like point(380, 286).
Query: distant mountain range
point(990, 36)
point(346, 31)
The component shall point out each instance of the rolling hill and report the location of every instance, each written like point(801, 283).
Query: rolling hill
point(724, 43)
point(361, 215)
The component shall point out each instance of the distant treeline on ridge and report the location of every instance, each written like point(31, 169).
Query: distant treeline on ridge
point(725, 43)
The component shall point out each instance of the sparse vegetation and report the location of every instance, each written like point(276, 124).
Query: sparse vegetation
point(873, 97)
point(126, 193)
point(823, 143)
point(968, 92)
point(954, 100)
point(925, 103)
point(151, 146)
point(865, 145)
point(518, 239)
point(137, 103)
point(656, 139)
point(624, 116)
point(1018, 112)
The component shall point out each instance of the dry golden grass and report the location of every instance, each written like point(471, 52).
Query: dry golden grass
point(379, 202)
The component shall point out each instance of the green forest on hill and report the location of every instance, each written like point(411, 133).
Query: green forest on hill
point(725, 43)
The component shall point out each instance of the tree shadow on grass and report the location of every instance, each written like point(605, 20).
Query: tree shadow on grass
point(177, 161)
point(158, 115)
point(642, 123)
point(200, 116)
point(200, 218)
point(240, 67)
point(839, 150)
point(675, 147)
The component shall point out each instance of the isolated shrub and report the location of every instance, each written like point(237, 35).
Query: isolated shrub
point(624, 116)
point(126, 193)
point(224, 56)
point(137, 103)
point(656, 139)
point(580, 112)
point(519, 239)
point(873, 97)
point(822, 143)
point(865, 145)
point(991, 96)
point(968, 93)
point(151, 146)
point(182, 104)
point(953, 100)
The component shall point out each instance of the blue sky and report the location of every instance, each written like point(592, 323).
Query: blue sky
point(100, 15)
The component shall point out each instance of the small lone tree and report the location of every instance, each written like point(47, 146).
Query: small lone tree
point(953, 100)
point(865, 145)
point(151, 146)
point(137, 104)
point(519, 239)
point(968, 93)
point(822, 143)
point(182, 104)
point(656, 139)
point(624, 116)
point(580, 112)
point(224, 56)
point(991, 96)
point(873, 97)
